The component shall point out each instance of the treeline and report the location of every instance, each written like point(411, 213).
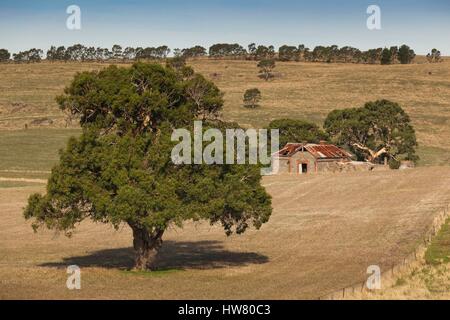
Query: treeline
point(79, 52)
point(403, 54)
point(330, 54)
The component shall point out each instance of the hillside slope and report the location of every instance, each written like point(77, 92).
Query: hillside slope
point(300, 90)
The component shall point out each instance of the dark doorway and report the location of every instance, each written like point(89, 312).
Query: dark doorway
point(304, 168)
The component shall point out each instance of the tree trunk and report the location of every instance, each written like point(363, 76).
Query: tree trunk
point(146, 246)
point(373, 155)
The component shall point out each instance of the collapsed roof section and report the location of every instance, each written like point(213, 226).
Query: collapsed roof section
point(318, 151)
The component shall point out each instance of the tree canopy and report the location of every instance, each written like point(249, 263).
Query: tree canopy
point(434, 56)
point(194, 52)
point(206, 97)
point(405, 54)
point(252, 97)
point(32, 55)
point(265, 68)
point(289, 53)
point(380, 128)
point(4, 55)
point(221, 50)
point(386, 56)
point(298, 131)
point(120, 170)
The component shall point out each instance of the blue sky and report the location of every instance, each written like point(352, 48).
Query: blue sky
point(31, 23)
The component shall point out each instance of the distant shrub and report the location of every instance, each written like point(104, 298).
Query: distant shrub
point(434, 56)
point(265, 69)
point(394, 164)
point(252, 97)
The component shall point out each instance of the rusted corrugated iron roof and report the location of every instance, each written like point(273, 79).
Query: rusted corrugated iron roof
point(327, 151)
point(289, 149)
point(319, 151)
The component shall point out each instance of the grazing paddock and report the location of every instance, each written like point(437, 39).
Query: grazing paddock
point(300, 91)
point(31, 153)
point(324, 232)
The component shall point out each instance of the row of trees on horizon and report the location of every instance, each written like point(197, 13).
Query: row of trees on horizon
point(330, 54)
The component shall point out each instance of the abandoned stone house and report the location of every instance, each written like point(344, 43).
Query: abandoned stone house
point(305, 158)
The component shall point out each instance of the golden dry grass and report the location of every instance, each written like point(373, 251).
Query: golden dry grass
point(28, 91)
point(308, 90)
point(300, 90)
point(424, 282)
point(324, 233)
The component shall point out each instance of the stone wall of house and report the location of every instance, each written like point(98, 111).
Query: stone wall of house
point(283, 166)
point(303, 157)
point(340, 166)
point(328, 166)
point(290, 165)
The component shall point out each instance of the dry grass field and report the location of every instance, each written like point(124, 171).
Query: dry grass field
point(424, 282)
point(325, 230)
point(324, 233)
point(300, 90)
point(429, 279)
